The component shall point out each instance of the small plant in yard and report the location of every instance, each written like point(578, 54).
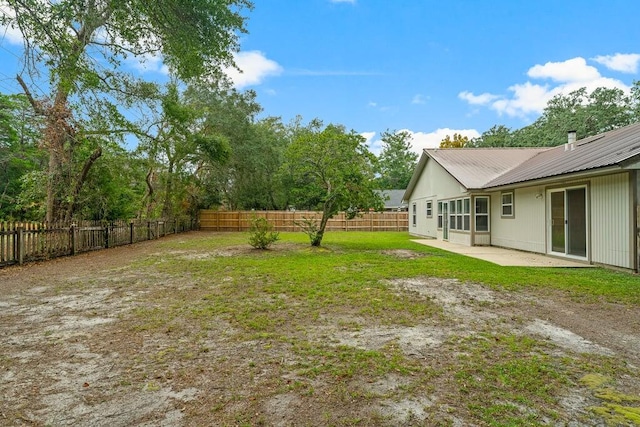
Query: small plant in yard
point(261, 234)
point(310, 227)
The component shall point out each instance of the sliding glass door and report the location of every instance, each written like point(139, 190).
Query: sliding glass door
point(568, 221)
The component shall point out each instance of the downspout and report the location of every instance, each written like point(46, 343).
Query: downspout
point(634, 214)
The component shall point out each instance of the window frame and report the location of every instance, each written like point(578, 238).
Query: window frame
point(414, 214)
point(459, 215)
point(478, 214)
point(510, 205)
point(429, 208)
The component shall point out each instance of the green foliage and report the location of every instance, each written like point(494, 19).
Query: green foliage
point(311, 228)
point(19, 157)
point(261, 234)
point(331, 170)
point(396, 161)
point(458, 141)
point(81, 45)
point(588, 114)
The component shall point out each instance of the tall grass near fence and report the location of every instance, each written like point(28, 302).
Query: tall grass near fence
point(22, 242)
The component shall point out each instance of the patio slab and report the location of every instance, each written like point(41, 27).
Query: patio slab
point(502, 256)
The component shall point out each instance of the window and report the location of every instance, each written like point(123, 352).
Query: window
point(459, 214)
point(452, 215)
point(429, 209)
point(414, 214)
point(482, 213)
point(467, 214)
point(439, 214)
point(507, 205)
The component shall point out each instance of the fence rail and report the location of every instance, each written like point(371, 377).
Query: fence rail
point(286, 220)
point(22, 242)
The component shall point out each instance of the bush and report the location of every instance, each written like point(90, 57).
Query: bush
point(310, 227)
point(262, 234)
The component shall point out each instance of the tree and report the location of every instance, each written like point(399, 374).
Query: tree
point(586, 113)
point(82, 43)
point(458, 141)
point(19, 156)
point(396, 161)
point(497, 136)
point(331, 170)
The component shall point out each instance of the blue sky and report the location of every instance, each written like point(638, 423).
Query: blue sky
point(433, 68)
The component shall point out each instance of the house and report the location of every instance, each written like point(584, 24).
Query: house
point(393, 200)
point(578, 200)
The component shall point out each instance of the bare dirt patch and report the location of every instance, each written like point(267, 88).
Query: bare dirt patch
point(95, 340)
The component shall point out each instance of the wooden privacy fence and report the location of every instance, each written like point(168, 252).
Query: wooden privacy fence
point(23, 242)
point(285, 220)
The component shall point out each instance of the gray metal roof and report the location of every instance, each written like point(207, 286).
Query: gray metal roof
point(485, 168)
point(392, 198)
point(600, 151)
point(475, 167)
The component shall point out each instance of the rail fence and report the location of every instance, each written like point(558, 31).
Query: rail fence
point(22, 242)
point(211, 220)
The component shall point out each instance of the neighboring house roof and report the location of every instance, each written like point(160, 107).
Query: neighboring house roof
point(392, 198)
point(484, 168)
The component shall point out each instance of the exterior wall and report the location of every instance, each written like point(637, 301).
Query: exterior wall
point(434, 184)
point(611, 221)
point(526, 229)
point(461, 238)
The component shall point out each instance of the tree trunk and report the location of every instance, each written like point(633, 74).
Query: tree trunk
point(73, 204)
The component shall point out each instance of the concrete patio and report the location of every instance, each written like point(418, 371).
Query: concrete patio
point(501, 256)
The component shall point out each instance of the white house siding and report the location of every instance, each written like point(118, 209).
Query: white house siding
point(434, 184)
point(461, 238)
point(611, 221)
point(526, 230)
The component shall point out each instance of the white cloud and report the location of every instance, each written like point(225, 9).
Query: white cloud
point(148, 63)
point(422, 140)
point(254, 66)
point(419, 99)
point(419, 140)
point(623, 62)
point(8, 33)
point(482, 99)
point(571, 70)
point(375, 146)
point(529, 99)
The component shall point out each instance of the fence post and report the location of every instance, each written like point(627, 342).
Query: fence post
point(72, 237)
point(131, 232)
point(148, 230)
point(20, 244)
point(106, 237)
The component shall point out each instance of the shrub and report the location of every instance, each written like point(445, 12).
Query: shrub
point(261, 233)
point(310, 227)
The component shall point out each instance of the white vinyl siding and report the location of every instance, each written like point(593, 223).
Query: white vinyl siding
point(526, 231)
point(434, 184)
point(611, 221)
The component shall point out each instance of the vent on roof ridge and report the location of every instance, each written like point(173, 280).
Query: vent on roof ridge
point(590, 139)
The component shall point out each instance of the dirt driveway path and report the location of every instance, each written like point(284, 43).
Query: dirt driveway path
point(70, 355)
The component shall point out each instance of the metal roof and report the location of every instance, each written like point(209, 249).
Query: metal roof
point(485, 168)
point(392, 198)
point(475, 167)
point(600, 151)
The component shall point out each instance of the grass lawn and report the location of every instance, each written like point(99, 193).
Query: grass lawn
point(370, 329)
point(501, 377)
